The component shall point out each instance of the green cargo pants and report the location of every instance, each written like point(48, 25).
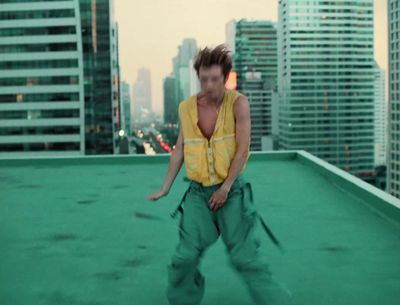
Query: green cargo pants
point(200, 227)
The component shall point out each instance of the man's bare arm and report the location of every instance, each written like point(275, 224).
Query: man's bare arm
point(243, 129)
point(243, 126)
point(175, 164)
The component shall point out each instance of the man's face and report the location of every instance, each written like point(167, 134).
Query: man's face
point(212, 81)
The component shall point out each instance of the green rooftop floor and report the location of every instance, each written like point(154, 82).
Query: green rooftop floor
point(69, 234)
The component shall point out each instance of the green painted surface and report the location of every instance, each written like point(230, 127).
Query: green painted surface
point(82, 233)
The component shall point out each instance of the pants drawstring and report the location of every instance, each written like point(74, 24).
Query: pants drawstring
point(247, 186)
point(179, 208)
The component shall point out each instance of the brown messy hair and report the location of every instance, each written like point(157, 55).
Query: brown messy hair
point(218, 56)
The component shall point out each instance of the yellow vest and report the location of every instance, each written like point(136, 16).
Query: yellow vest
point(208, 162)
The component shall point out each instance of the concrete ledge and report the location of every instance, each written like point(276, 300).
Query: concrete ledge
point(125, 159)
point(85, 160)
point(381, 202)
point(273, 155)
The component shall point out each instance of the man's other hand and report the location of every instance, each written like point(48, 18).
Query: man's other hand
point(218, 199)
point(157, 195)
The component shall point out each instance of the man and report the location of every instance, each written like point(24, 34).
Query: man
point(214, 143)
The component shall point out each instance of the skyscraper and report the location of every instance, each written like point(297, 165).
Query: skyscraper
point(256, 51)
point(194, 84)
point(326, 81)
point(183, 78)
point(101, 75)
point(116, 84)
point(126, 108)
point(142, 94)
point(393, 178)
point(170, 105)
point(41, 78)
point(380, 117)
point(230, 34)
point(255, 62)
point(60, 77)
point(182, 70)
point(260, 100)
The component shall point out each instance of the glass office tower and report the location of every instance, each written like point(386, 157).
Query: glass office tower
point(59, 77)
point(326, 81)
point(41, 78)
point(393, 178)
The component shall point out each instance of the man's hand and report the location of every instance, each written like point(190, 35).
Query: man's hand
point(157, 195)
point(218, 199)
point(175, 165)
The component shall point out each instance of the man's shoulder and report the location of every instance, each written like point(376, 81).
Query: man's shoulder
point(234, 95)
point(233, 92)
point(187, 102)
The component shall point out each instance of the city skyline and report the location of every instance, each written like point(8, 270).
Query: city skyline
point(155, 47)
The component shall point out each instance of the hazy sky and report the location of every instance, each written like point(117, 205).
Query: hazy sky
point(151, 30)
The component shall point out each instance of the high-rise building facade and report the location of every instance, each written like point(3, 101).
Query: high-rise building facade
point(126, 123)
point(41, 79)
point(255, 62)
point(380, 117)
point(116, 87)
point(230, 34)
point(256, 51)
point(326, 81)
point(141, 95)
point(170, 105)
point(98, 38)
point(393, 178)
point(59, 77)
point(183, 78)
point(194, 84)
point(182, 70)
point(260, 100)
